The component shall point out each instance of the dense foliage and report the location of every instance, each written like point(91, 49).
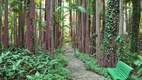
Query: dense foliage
point(16, 63)
point(139, 66)
point(123, 50)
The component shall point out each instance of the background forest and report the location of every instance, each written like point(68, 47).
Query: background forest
point(34, 33)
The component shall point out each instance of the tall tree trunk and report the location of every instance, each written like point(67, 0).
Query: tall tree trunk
point(82, 29)
point(30, 26)
point(6, 25)
point(121, 18)
point(71, 27)
point(16, 30)
point(40, 41)
point(77, 27)
point(0, 24)
point(21, 27)
point(47, 33)
point(127, 27)
point(86, 28)
point(54, 24)
point(135, 25)
point(35, 34)
point(52, 28)
point(93, 41)
point(111, 32)
point(103, 26)
point(97, 32)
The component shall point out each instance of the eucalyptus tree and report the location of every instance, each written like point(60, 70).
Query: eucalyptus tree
point(104, 19)
point(121, 17)
point(111, 32)
point(71, 27)
point(6, 39)
point(86, 28)
point(21, 23)
point(40, 41)
point(97, 32)
point(93, 40)
point(47, 33)
point(0, 24)
point(30, 25)
point(135, 25)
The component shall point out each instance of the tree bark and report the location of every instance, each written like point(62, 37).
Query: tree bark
point(103, 26)
point(121, 18)
point(0, 24)
point(21, 27)
point(135, 25)
point(93, 40)
point(6, 25)
point(97, 32)
point(86, 28)
point(47, 33)
point(30, 26)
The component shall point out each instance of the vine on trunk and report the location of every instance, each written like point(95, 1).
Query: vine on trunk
point(111, 30)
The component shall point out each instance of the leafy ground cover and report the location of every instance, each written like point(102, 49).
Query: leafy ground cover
point(21, 64)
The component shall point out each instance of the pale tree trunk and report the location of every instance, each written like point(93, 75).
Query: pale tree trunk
point(52, 28)
point(125, 17)
point(97, 32)
point(0, 23)
point(40, 26)
point(86, 28)
point(103, 23)
point(121, 18)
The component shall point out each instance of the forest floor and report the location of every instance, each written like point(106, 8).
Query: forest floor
point(77, 68)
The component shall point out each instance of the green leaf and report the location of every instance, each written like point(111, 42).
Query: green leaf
point(52, 62)
point(37, 74)
point(29, 77)
point(40, 66)
point(14, 67)
point(138, 62)
point(15, 56)
point(82, 9)
point(139, 71)
point(140, 57)
point(1, 60)
point(10, 73)
point(18, 62)
point(27, 51)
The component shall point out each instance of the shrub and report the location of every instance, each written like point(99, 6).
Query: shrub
point(21, 64)
point(138, 63)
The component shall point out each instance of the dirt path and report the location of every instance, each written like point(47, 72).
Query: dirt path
point(77, 68)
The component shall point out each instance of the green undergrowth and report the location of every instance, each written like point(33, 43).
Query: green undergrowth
point(21, 64)
point(138, 69)
point(91, 64)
